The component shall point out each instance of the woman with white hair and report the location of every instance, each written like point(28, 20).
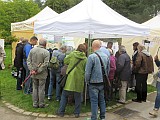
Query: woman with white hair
point(123, 73)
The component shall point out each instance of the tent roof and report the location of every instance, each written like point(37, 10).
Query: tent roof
point(28, 24)
point(153, 23)
point(90, 17)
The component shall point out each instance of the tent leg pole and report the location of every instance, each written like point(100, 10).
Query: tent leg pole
point(89, 51)
point(89, 44)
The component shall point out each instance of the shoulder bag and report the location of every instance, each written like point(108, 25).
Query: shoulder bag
point(63, 79)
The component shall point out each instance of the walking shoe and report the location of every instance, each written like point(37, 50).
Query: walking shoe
point(35, 106)
point(136, 100)
point(143, 100)
point(43, 106)
point(120, 102)
point(129, 89)
point(76, 115)
point(59, 114)
point(154, 112)
point(57, 100)
point(49, 98)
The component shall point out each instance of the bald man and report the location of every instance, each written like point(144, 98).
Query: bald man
point(37, 62)
point(94, 79)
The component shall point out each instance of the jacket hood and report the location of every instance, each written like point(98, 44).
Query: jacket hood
point(79, 55)
point(146, 52)
point(19, 44)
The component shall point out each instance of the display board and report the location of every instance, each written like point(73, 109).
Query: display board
point(2, 43)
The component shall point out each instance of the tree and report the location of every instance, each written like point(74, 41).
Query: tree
point(61, 5)
point(136, 10)
point(15, 11)
point(40, 4)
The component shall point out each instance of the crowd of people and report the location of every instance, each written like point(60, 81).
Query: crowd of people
point(121, 71)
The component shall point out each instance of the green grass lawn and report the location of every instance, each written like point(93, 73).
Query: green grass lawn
point(10, 94)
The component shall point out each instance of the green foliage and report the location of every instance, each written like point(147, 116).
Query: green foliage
point(61, 5)
point(9, 39)
point(40, 4)
point(15, 11)
point(136, 10)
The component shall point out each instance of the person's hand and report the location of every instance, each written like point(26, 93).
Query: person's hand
point(33, 72)
point(156, 57)
point(21, 68)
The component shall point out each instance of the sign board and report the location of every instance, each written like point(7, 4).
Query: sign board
point(52, 38)
point(68, 41)
point(2, 43)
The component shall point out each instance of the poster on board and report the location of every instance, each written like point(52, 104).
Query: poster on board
point(2, 43)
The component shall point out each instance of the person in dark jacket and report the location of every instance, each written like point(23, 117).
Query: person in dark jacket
point(124, 72)
point(143, 66)
point(18, 63)
point(131, 84)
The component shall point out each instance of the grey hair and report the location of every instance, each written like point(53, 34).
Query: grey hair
point(24, 40)
point(122, 48)
point(63, 47)
point(42, 41)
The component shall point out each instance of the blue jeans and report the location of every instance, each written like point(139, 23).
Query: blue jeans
point(58, 88)
point(28, 83)
point(96, 93)
point(157, 101)
point(52, 73)
point(64, 99)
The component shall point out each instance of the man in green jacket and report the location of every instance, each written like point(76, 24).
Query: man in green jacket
point(37, 62)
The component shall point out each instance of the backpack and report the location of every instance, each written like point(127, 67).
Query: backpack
point(150, 66)
point(54, 63)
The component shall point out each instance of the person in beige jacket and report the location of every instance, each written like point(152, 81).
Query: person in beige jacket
point(37, 62)
point(2, 56)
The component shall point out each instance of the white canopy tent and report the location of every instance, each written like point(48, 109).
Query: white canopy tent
point(28, 24)
point(25, 28)
point(90, 17)
point(154, 25)
point(153, 37)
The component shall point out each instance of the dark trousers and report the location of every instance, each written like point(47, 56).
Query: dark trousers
point(109, 92)
point(141, 86)
point(20, 78)
point(47, 84)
